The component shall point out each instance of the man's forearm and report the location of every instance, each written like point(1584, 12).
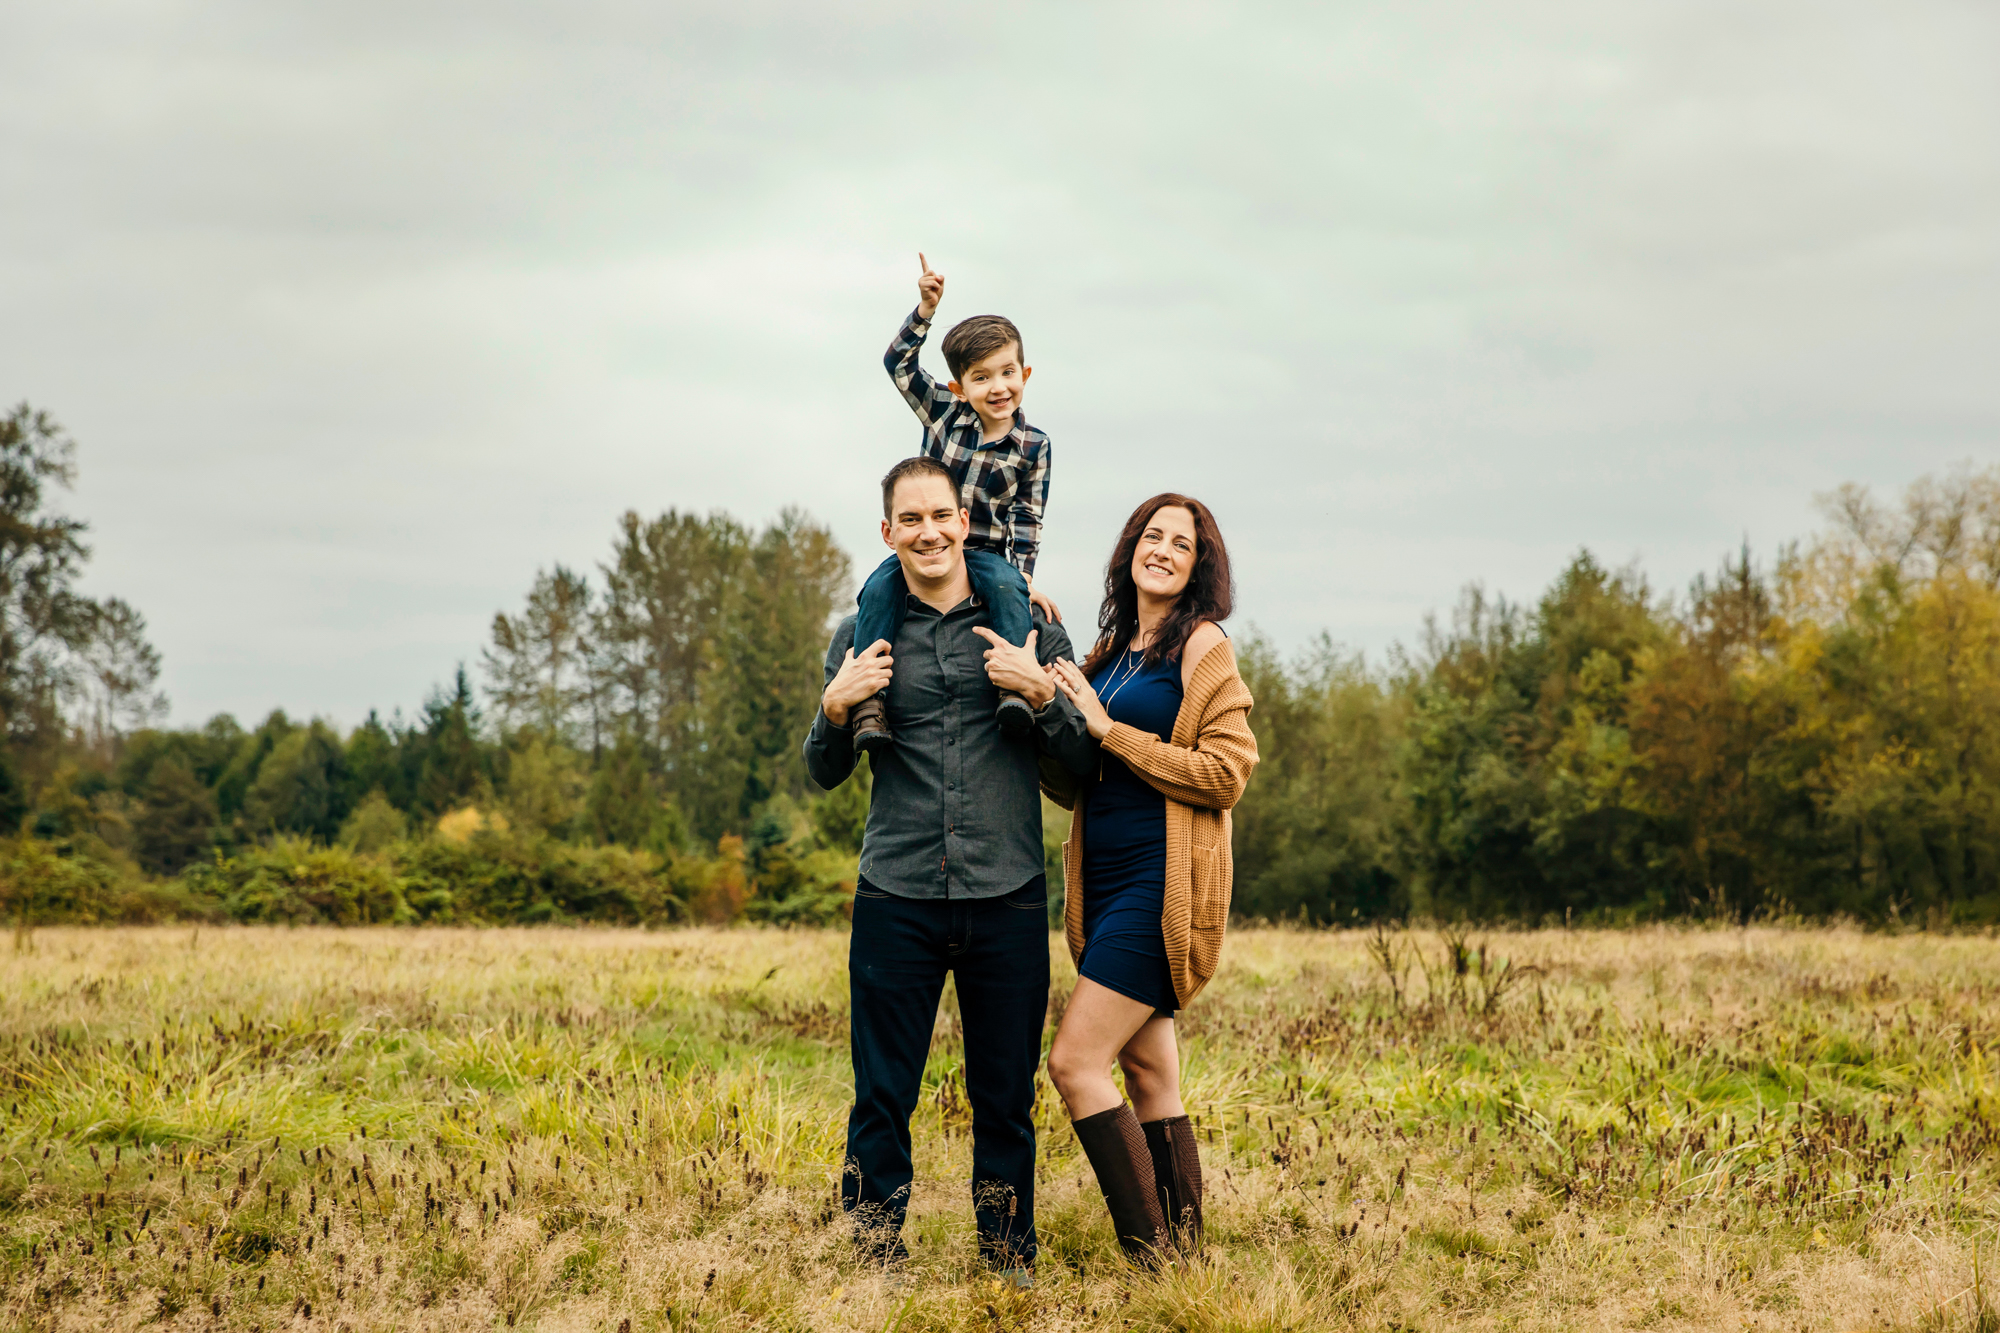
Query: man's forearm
point(1064, 736)
point(829, 753)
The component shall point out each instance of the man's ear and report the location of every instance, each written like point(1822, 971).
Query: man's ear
point(885, 535)
point(965, 519)
point(956, 392)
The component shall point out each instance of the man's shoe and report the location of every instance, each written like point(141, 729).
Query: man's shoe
point(1015, 717)
point(1022, 1279)
point(870, 720)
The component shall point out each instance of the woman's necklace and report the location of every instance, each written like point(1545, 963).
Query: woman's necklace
point(1136, 658)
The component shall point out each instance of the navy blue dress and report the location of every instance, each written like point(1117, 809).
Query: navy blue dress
point(1125, 842)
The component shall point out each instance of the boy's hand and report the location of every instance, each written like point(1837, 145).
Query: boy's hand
point(930, 288)
point(858, 679)
point(1036, 597)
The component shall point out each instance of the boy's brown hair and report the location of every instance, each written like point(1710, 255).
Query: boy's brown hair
point(919, 466)
point(973, 340)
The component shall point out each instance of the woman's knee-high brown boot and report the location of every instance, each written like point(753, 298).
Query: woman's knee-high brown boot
point(1177, 1178)
point(1116, 1147)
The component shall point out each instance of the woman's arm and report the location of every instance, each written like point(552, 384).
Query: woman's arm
point(1214, 773)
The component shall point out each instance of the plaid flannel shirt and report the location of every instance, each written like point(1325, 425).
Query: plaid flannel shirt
point(1004, 486)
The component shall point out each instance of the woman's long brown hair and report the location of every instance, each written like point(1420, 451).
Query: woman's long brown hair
point(1210, 593)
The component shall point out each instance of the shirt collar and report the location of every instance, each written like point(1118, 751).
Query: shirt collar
point(912, 602)
point(1017, 434)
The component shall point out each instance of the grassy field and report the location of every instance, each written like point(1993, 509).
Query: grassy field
point(620, 1130)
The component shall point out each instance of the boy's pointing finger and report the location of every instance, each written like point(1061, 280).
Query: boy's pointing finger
point(925, 262)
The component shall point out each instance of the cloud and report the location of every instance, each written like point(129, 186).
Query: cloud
point(361, 315)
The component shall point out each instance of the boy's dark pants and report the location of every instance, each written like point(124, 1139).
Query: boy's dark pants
point(998, 949)
point(997, 583)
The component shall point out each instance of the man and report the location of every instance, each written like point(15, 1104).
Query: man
point(951, 873)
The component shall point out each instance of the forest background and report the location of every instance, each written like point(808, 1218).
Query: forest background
point(1811, 735)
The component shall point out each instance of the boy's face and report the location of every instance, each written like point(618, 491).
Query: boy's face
point(926, 528)
point(994, 385)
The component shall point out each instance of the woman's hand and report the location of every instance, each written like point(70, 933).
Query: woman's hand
point(1016, 669)
point(1069, 678)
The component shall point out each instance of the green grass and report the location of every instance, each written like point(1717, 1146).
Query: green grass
point(440, 1129)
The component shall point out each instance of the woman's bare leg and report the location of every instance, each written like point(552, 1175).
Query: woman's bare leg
point(1151, 1059)
point(1096, 1027)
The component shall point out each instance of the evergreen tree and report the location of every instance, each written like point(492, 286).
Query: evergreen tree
point(623, 800)
point(301, 786)
point(175, 824)
point(452, 769)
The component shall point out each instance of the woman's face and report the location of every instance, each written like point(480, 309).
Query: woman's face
point(1165, 555)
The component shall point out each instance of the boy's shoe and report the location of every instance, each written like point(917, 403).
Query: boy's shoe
point(870, 720)
point(1021, 1279)
point(1015, 717)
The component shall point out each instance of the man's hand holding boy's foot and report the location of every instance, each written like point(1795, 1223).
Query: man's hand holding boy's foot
point(853, 698)
point(930, 289)
point(1024, 685)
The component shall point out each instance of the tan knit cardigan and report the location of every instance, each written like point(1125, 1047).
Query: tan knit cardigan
point(1202, 772)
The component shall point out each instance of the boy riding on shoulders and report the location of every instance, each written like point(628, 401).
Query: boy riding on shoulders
point(973, 425)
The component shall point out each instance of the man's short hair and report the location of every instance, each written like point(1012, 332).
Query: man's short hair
point(913, 467)
point(973, 340)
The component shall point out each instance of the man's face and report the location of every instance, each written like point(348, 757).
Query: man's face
point(994, 385)
point(926, 528)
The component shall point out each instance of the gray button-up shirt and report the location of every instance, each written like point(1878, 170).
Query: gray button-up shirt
point(956, 809)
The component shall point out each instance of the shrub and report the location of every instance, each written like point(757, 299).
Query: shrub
point(498, 876)
point(39, 886)
point(290, 880)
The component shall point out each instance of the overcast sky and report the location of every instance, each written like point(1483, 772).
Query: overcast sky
point(362, 313)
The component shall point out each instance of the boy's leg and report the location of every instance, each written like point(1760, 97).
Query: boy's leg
point(878, 616)
point(1005, 593)
point(1002, 970)
point(895, 974)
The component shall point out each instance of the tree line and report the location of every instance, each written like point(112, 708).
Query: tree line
point(1817, 736)
point(652, 706)
point(1811, 736)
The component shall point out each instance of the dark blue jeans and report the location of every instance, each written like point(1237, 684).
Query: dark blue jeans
point(998, 950)
point(998, 584)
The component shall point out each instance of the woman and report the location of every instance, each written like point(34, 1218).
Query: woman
point(1146, 867)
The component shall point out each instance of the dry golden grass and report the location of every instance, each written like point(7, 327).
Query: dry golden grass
point(397, 1129)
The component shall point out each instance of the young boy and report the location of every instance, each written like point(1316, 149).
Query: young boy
point(974, 426)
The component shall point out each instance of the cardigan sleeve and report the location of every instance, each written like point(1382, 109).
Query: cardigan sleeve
point(1213, 772)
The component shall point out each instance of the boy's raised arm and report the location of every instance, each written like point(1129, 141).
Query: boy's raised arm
point(926, 397)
